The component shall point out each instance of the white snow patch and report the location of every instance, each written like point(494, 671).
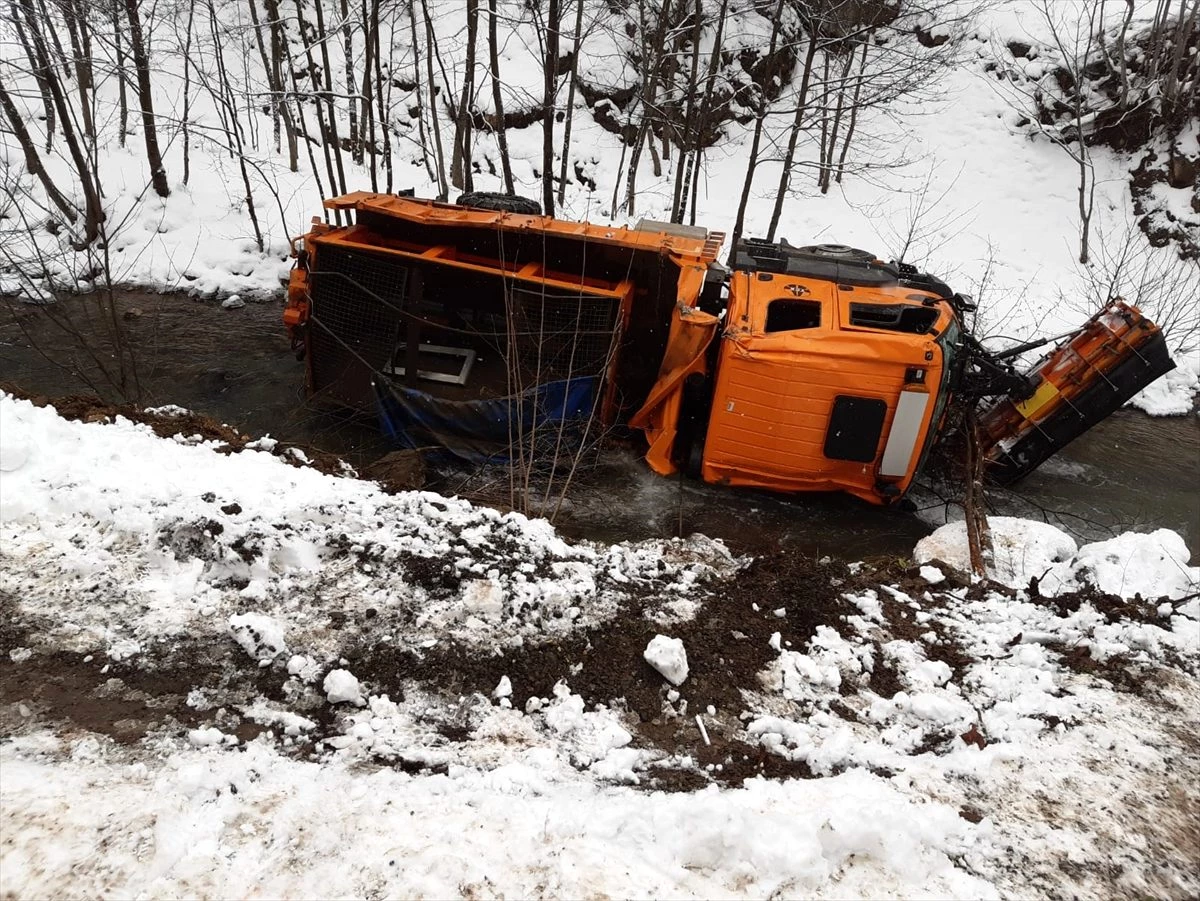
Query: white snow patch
point(1021, 549)
point(259, 636)
point(669, 657)
point(342, 687)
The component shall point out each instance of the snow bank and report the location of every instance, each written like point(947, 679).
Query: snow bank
point(1021, 548)
point(151, 528)
point(1152, 566)
point(255, 823)
point(940, 723)
point(1173, 394)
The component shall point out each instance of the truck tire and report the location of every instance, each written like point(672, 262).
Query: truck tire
point(838, 252)
point(504, 203)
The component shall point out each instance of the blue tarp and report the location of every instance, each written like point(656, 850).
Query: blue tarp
point(484, 431)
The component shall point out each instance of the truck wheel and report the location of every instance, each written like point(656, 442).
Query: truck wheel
point(494, 200)
point(838, 252)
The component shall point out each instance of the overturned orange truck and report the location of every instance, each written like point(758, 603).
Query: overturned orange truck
point(490, 333)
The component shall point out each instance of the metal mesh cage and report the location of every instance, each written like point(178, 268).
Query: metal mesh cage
point(358, 325)
point(563, 335)
point(354, 333)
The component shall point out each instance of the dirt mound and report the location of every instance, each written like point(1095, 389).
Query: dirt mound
point(728, 644)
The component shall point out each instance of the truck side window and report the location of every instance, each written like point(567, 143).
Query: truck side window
point(893, 317)
point(789, 315)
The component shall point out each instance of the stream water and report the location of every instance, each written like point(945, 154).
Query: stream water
point(1130, 472)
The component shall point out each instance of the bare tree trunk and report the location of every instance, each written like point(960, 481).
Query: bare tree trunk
point(841, 166)
point(356, 143)
point(460, 163)
point(497, 99)
point(327, 138)
point(826, 172)
point(33, 162)
point(824, 116)
point(1087, 199)
point(158, 172)
point(979, 538)
point(229, 99)
point(93, 210)
point(549, 84)
point(384, 125)
point(789, 156)
point(612, 213)
point(681, 174)
point(273, 103)
point(308, 140)
point(122, 95)
point(367, 114)
point(280, 56)
point(652, 50)
point(756, 141)
point(702, 117)
point(53, 32)
point(569, 112)
point(81, 52)
point(440, 154)
point(1123, 67)
point(419, 79)
point(40, 78)
point(327, 76)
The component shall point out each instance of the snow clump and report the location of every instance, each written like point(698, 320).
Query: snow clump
point(341, 686)
point(669, 657)
point(1021, 549)
point(259, 636)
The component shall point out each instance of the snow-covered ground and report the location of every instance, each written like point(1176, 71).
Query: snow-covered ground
point(225, 675)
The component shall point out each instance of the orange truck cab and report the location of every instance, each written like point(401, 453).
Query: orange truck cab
point(831, 372)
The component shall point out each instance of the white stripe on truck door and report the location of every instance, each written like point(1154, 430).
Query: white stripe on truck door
point(906, 429)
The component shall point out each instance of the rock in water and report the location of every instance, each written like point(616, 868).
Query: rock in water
point(668, 656)
point(233, 302)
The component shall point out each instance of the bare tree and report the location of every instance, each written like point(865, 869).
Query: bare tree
point(759, 120)
point(549, 95)
point(497, 98)
point(141, 62)
point(1155, 279)
point(569, 112)
point(431, 84)
point(37, 27)
point(460, 161)
point(33, 162)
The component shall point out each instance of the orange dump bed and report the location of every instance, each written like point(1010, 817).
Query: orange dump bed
point(392, 274)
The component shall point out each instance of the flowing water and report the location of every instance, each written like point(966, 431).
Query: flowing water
point(1130, 472)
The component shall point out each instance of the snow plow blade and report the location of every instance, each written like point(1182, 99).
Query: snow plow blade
point(1086, 378)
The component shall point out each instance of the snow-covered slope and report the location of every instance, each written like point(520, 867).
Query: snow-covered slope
point(235, 676)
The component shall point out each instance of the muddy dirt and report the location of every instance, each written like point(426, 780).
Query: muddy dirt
point(727, 645)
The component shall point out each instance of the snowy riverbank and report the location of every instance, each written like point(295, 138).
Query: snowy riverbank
point(227, 675)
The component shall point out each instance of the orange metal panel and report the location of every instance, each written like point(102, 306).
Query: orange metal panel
point(775, 392)
point(431, 212)
point(437, 255)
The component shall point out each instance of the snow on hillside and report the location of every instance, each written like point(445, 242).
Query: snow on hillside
point(987, 206)
point(239, 677)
